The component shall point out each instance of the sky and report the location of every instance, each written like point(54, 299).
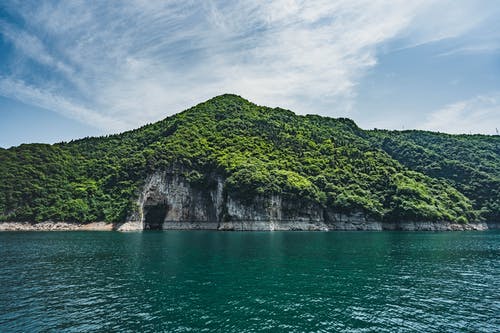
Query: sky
point(72, 69)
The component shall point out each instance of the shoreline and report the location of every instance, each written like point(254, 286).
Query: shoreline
point(250, 226)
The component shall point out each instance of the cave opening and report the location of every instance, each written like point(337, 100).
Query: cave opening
point(155, 215)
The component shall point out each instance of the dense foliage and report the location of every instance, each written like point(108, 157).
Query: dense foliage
point(471, 163)
point(260, 151)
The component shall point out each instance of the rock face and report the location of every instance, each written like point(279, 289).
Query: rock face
point(169, 201)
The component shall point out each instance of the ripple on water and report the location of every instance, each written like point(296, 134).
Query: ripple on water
point(248, 282)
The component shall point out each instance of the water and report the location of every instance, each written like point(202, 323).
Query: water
point(180, 281)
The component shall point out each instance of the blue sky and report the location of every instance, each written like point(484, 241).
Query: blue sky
point(76, 68)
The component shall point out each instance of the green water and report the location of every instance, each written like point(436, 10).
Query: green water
point(190, 281)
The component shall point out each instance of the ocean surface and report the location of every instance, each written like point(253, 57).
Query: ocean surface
point(209, 281)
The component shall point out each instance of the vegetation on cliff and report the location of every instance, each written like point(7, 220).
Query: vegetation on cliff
point(389, 175)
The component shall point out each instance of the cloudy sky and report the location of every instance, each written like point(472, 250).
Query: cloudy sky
point(74, 69)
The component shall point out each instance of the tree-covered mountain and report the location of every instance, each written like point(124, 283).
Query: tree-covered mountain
point(259, 151)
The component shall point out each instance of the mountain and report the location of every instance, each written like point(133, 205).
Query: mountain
point(230, 164)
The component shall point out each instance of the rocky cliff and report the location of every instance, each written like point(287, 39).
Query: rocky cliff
point(169, 201)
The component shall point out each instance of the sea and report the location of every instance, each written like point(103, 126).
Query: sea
point(210, 281)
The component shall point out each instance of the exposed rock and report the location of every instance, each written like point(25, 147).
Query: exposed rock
point(434, 226)
point(182, 205)
point(129, 226)
point(55, 226)
point(169, 201)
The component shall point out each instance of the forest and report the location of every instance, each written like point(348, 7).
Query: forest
point(259, 151)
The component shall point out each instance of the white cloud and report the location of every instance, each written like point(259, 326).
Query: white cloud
point(47, 100)
point(30, 46)
point(126, 64)
point(472, 49)
point(480, 114)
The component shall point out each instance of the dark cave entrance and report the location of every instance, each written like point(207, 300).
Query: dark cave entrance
point(154, 216)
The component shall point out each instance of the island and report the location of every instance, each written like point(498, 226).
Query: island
point(229, 164)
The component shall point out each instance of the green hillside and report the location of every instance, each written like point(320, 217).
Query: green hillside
point(391, 176)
